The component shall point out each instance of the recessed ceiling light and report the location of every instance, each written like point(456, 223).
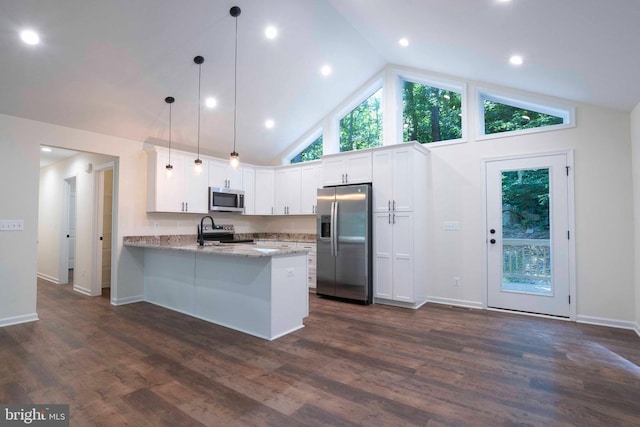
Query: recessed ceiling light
point(269, 124)
point(326, 70)
point(271, 32)
point(211, 102)
point(46, 149)
point(404, 42)
point(30, 37)
point(516, 60)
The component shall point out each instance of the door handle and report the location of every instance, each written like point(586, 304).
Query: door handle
point(100, 237)
point(492, 241)
point(492, 231)
point(67, 236)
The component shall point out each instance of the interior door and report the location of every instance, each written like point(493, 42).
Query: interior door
point(528, 234)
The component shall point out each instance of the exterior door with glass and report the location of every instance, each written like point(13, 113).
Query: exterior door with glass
point(528, 250)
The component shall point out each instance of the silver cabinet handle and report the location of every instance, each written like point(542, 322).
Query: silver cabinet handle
point(346, 178)
point(389, 217)
point(394, 205)
point(271, 210)
point(182, 209)
point(389, 205)
point(186, 207)
point(394, 218)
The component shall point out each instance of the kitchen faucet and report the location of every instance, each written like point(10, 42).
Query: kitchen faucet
point(201, 229)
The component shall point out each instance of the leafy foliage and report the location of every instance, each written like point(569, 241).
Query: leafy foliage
point(525, 203)
point(362, 127)
point(504, 118)
point(312, 152)
point(430, 114)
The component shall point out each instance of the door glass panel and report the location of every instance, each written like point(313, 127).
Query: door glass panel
point(526, 245)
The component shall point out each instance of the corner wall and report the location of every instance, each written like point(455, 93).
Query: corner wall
point(635, 151)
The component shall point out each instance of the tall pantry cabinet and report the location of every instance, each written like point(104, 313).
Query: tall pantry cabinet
point(399, 176)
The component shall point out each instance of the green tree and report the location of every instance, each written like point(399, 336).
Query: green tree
point(312, 152)
point(525, 203)
point(362, 127)
point(430, 114)
point(500, 117)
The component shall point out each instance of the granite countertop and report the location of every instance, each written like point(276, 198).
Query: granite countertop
point(187, 243)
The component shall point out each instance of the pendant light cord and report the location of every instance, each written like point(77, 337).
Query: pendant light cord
point(235, 88)
point(199, 79)
point(169, 133)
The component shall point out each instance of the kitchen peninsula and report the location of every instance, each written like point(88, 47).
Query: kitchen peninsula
point(260, 291)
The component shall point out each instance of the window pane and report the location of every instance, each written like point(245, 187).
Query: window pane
point(362, 127)
point(430, 114)
point(505, 118)
point(312, 152)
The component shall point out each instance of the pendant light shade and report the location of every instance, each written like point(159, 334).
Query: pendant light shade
point(169, 100)
point(234, 158)
point(198, 163)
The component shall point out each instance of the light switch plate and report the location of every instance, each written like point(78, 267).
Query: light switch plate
point(451, 226)
point(11, 225)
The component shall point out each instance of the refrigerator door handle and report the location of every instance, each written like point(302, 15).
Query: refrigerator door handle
point(331, 228)
point(334, 233)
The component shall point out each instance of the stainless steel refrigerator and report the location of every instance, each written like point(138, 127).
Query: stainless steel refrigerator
point(344, 242)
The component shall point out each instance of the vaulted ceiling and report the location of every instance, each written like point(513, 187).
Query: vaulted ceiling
point(106, 66)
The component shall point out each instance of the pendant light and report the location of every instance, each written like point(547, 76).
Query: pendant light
point(234, 158)
point(169, 100)
point(198, 163)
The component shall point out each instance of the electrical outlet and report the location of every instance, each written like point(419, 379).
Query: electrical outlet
point(180, 224)
point(156, 225)
point(290, 272)
point(11, 225)
point(456, 281)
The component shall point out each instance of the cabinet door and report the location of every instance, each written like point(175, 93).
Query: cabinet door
point(281, 192)
point(309, 189)
point(358, 168)
point(402, 181)
point(218, 173)
point(196, 187)
point(264, 192)
point(248, 185)
point(333, 171)
point(234, 177)
point(383, 251)
point(169, 187)
point(382, 179)
point(294, 186)
point(403, 286)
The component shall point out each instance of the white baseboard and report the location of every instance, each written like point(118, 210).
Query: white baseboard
point(637, 328)
point(413, 306)
point(82, 290)
point(127, 300)
point(49, 278)
point(456, 302)
point(612, 323)
point(15, 320)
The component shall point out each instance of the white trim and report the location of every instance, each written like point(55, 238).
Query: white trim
point(525, 313)
point(16, 320)
point(48, 278)
point(637, 328)
point(457, 302)
point(83, 290)
point(611, 323)
point(96, 280)
point(127, 300)
point(308, 139)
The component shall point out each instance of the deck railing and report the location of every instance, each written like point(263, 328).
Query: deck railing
point(526, 260)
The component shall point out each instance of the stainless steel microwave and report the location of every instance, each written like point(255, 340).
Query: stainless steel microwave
point(226, 200)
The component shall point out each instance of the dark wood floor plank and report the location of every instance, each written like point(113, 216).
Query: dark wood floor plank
point(351, 365)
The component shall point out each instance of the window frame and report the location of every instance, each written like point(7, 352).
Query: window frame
point(527, 102)
point(309, 139)
point(400, 76)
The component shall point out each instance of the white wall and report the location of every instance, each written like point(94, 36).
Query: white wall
point(604, 212)
point(635, 143)
point(51, 211)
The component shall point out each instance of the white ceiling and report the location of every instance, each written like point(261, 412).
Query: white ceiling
point(106, 66)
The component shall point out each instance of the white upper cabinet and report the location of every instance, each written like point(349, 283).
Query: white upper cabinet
point(249, 187)
point(393, 179)
point(287, 191)
point(264, 191)
point(311, 180)
point(347, 168)
point(222, 175)
point(182, 190)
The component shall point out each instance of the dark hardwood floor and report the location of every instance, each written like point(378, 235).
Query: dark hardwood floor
point(142, 365)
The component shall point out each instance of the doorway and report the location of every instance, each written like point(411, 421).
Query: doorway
point(529, 251)
point(69, 227)
point(104, 228)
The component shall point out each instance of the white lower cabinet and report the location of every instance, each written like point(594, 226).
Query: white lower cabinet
point(311, 258)
point(394, 256)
